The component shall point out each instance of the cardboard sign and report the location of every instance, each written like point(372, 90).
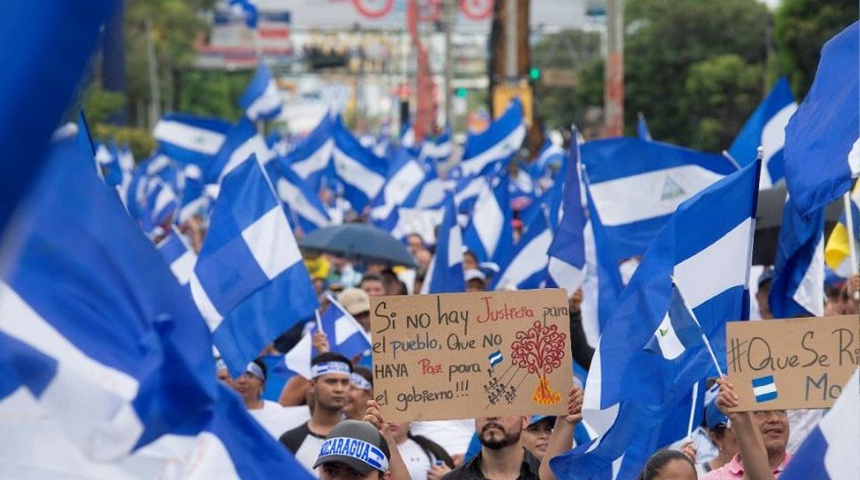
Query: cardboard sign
point(466, 355)
point(789, 364)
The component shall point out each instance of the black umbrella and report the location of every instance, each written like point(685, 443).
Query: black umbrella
point(358, 241)
point(771, 203)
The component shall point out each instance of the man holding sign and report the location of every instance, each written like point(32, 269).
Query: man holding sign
point(753, 430)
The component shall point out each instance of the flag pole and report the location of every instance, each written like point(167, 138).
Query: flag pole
point(693, 410)
point(852, 246)
point(704, 337)
point(319, 321)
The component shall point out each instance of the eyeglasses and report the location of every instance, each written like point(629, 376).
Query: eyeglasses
point(766, 413)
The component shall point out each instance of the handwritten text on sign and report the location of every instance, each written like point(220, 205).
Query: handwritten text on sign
point(468, 355)
point(787, 364)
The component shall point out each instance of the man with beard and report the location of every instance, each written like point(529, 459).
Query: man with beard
point(330, 386)
point(502, 456)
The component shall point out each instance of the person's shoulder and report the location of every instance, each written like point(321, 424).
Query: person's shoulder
point(293, 439)
point(533, 463)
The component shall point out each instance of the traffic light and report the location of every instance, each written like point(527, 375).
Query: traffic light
point(462, 93)
point(534, 74)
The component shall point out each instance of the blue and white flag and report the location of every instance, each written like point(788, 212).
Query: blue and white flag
point(764, 389)
point(305, 209)
point(261, 100)
point(115, 351)
point(37, 85)
point(405, 176)
point(310, 159)
point(445, 274)
point(161, 205)
point(830, 450)
point(550, 154)
point(362, 173)
point(240, 143)
point(642, 128)
point(678, 332)
point(622, 370)
point(489, 233)
point(525, 267)
point(766, 128)
point(606, 260)
point(822, 145)
point(499, 142)
point(174, 249)
point(798, 283)
point(566, 268)
point(407, 136)
point(345, 336)
point(636, 185)
point(190, 138)
point(250, 282)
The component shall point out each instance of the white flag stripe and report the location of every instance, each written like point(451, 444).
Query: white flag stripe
point(271, 242)
point(722, 274)
point(508, 145)
point(207, 309)
point(357, 175)
point(529, 261)
point(269, 101)
point(183, 267)
point(254, 145)
point(641, 192)
point(188, 137)
point(295, 199)
point(398, 188)
point(841, 458)
point(764, 389)
point(810, 294)
point(670, 345)
point(854, 159)
point(314, 163)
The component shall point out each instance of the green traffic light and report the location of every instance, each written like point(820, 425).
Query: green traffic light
point(462, 92)
point(534, 73)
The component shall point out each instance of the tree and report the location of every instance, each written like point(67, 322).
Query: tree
point(801, 27)
point(665, 40)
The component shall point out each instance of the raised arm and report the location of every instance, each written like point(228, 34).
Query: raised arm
point(396, 466)
point(561, 439)
point(750, 442)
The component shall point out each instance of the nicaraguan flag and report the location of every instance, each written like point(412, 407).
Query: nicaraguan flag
point(114, 336)
point(489, 232)
point(642, 128)
point(250, 282)
point(37, 85)
point(766, 128)
point(525, 268)
point(501, 140)
point(240, 143)
point(496, 358)
point(405, 176)
point(837, 253)
point(362, 173)
point(798, 283)
point(261, 100)
point(566, 267)
point(822, 145)
point(550, 154)
point(190, 138)
point(345, 336)
point(305, 209)
point(636, 185)
point(764, 389)
point(174, 249)
point(830, 450)
point(445, 274)
point(685, 247)
point(678, 331)
point(311, 157)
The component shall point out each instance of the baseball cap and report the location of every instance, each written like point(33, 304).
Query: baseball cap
point(355, 444)
point(539, 418)
point(354, 301)
point(473, 274)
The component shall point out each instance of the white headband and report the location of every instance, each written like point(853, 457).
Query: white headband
point(359, 381)
point(330, 367)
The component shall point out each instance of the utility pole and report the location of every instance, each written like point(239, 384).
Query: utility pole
point(449, 15)
point(614, 74)
point(154, 84)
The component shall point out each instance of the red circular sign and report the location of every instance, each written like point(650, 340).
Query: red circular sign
point(477, 9)
point(373, 8)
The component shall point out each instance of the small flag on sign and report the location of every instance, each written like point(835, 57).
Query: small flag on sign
point(496, 358)
point(764, 389)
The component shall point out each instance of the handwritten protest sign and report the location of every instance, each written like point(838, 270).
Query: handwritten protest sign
point(468, 355)
point(787, 364)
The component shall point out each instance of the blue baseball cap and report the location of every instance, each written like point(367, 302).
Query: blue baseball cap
point(538, 418)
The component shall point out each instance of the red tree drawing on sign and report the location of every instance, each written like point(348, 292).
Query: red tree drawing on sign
point(540, 350)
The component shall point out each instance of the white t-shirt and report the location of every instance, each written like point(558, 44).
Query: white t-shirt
point(417, 461)
point(453, 435)
point(277, 419)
